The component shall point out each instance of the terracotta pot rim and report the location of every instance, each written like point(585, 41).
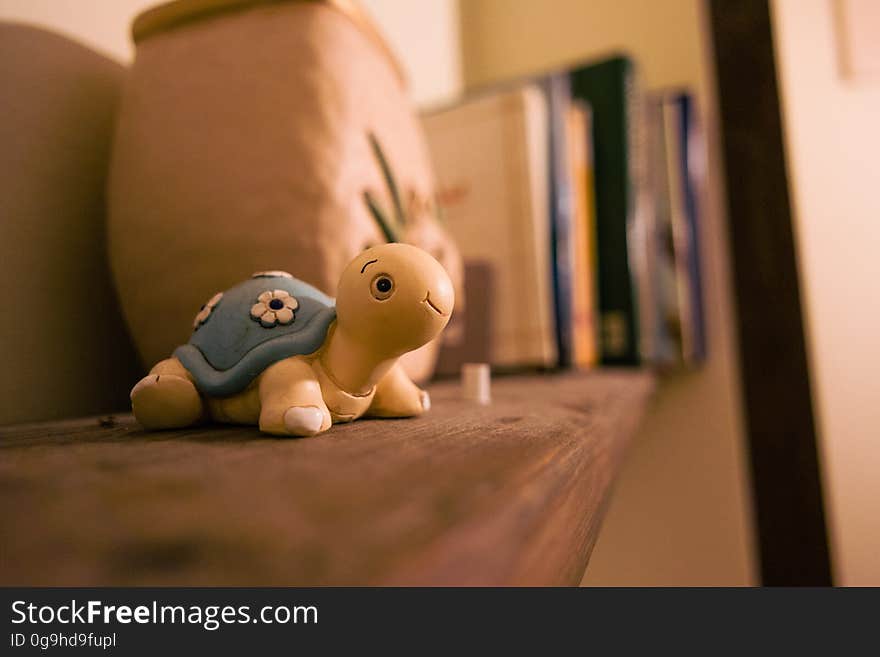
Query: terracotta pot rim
point(169, 15)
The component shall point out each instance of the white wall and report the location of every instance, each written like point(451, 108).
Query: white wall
point(832, 130)
point(423, 34)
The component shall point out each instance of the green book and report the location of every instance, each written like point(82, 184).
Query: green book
point(609, 87)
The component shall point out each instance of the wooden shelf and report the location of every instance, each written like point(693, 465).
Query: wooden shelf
point(510, 493)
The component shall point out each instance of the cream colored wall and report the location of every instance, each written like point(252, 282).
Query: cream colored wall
point(680, 514)
point(424, 35)
point(832, 130)
point(100, 24)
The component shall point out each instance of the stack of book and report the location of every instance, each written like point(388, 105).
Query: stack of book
point(574, 200)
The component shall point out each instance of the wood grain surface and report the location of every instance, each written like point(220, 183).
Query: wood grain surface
point(510, 493)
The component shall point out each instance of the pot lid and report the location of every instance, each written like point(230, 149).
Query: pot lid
point(177, 12)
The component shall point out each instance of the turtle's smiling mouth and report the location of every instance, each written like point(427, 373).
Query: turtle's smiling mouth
point(427, 302)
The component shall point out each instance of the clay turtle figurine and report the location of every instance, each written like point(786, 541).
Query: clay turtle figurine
point(277, 352)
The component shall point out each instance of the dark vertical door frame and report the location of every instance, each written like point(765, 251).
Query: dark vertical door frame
point(786, 479)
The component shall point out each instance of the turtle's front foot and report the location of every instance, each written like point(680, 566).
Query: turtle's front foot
point(303, 420)
point(397, 396)
point(166, 401)
point(291, 403)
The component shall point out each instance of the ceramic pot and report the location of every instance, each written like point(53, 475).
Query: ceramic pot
point(260, 135)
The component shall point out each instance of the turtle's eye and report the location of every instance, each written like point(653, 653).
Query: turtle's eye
point(382, 287)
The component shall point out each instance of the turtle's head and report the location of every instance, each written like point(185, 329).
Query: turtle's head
point(394, 298)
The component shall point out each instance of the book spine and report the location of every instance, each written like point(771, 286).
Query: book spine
point(675, 171)
point(639, 222)
point(604, 86)
point(637, 218)
point(693, 166)
point(585, 344)
point(561, 211)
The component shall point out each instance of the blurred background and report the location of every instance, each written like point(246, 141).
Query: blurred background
point(683, 511)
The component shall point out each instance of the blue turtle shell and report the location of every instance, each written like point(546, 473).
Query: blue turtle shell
point(230, 349)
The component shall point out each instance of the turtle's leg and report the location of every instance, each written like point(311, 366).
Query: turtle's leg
point(397, 396)
point(167, 397)
point(291, 403)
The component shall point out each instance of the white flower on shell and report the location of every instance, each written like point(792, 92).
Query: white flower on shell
point(274, 273)
point(274, 307)
point(205, 311)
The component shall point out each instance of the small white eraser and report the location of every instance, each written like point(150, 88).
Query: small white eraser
point(476, 382)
